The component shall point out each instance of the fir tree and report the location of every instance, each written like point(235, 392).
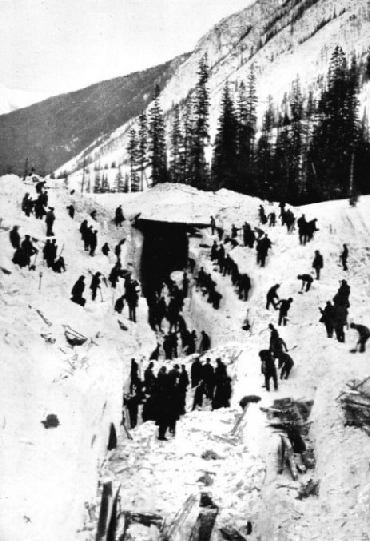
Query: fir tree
point(157, 144)
point(119, 184)
point(97, 182)
point(225, 153)
point(199, 173)
point(176, 147)
point(142, 147)
point(132, 150)
point(185, 151)
point(105, 184)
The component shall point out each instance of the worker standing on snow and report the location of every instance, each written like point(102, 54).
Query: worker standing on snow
point(95, 285)
point(50, 219)
point(363, 337)
point(318, 263)
point(344, 257)
point(327, 317)
point(77, 291)
point(15, 237)
point(284, 307)
point(119, 218)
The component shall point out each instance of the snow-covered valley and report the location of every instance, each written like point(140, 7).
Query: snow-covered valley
point(51, 480)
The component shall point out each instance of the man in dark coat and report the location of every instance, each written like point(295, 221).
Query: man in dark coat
point(93, 242)
point(344, 257)
point(205, 342)
point(271, 296)
point(196, 372)
point(327, 317)
point(208, 378)
point(263, 246)
point(302, 229)
point(183, 386)
point(119, 218)
point(318, 263)
point(286, 363)
point(77, 291)
point(95, 284)
point(50, 219)
point(284, 307)
point(268, 368)
point(363, 337)
point(306, 280)
point(15, 237)
point(28, 248)
point(162, 403)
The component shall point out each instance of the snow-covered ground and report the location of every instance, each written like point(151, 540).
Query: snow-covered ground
point(43, 479)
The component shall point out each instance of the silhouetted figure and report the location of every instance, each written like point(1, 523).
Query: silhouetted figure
point(15, 237)
point(93, 242)
point(77, 291)
point(272, 296)
point(95, 284)
point(327, 317)
point(318, 263)
point(284, 307)
point(196, 372)
point(50, 219)
point(363, 337)
point(105, 249)
point(344, 257)
point(119, 217)
point(306, 280)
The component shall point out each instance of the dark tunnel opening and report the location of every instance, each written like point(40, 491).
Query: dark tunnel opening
point(165, 249)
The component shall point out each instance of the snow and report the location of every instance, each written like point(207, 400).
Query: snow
point(50, 474)
point(46, 475)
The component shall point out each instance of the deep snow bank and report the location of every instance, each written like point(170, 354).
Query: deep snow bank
point(47, 475)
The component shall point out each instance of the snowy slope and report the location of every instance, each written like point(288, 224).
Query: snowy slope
point(47, 475)
point(249, 488)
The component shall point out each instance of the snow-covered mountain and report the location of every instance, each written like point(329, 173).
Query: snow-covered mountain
point(282, 38)
point(11, 99)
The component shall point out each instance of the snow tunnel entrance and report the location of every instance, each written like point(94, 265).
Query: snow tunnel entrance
point(165, 249)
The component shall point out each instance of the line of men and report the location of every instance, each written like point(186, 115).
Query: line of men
point(227, 266)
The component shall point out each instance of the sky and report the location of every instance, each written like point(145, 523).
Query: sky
point(56, 46)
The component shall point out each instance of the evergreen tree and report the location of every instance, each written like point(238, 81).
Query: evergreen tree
point(199, 171)
point(185, 151)
point(157, 143)
point(142, 147)
point(132, 150)
point(105, 184)
point(176, 147)
point(247, 126)
point(97, 182)
point(336, 134)
point(295, 188)
point(119, 183)
point(225, 153)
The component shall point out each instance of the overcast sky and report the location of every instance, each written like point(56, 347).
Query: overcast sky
point(56, 46)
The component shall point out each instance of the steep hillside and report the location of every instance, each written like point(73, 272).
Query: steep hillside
point(282, 39)
point(51, 132)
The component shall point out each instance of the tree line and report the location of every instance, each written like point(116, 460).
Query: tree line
point(310, 148)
